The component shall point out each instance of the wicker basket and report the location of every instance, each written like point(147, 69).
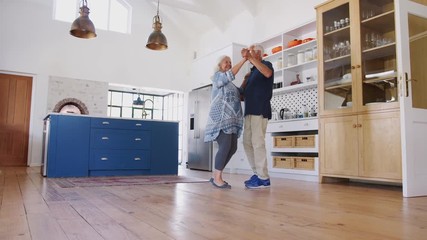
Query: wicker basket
point(283, 162)
point(283, 141)
point(304, 141)
point(305, 163)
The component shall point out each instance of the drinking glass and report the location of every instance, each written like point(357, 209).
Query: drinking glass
point(367, 41)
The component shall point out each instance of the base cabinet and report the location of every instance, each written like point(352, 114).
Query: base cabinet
point(361, 146)
point(81, 146)
point(292, 149)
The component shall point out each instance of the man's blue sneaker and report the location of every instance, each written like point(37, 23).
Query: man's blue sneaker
point(258, 183)
point(253, 178)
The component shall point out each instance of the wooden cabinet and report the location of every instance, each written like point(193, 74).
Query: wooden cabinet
point(119, 146)
point(358, 100)
point(357, 56)
point(82, 146)
point(67, 146)
point(361, 146)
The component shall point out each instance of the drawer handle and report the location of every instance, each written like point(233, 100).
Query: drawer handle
point(105, 138)
point(304, 138)
point(283, 139)
point(138, 124)
point(105, 123)
point(138, 139)
point(104, 159)
point(137, 159)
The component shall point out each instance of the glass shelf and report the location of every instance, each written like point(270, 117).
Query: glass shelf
point(337, 62)
point(301, 46)
point(380, 51)
point(303, 66)
point(297, 87)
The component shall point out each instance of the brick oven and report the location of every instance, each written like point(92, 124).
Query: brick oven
point(71, 105)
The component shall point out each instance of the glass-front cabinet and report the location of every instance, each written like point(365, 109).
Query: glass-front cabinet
point(358, 90)
point(357, 56)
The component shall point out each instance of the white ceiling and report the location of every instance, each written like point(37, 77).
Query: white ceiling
point(198, 16)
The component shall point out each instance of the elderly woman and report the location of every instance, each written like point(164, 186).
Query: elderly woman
point(225, 121)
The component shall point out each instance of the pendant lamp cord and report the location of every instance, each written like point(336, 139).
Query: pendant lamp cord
point(158, 7)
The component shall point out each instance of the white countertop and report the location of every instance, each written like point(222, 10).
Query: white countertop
point(82, 115)
point(295, 124)
point(292, 120)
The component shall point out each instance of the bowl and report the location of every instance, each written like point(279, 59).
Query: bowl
point(276, 49)
point(294, 43)
point(307, 40)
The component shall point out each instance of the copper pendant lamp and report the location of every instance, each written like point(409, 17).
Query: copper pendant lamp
point(157, 40)
point(83, 27)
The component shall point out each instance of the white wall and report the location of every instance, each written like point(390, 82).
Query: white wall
point(271, 18)
point(31, 43)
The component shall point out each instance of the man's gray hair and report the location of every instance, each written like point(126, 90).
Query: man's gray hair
point(258, 46)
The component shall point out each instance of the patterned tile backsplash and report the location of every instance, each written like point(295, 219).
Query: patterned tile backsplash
point(294, 101)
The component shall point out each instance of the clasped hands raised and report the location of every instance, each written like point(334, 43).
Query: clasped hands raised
point(246, 53)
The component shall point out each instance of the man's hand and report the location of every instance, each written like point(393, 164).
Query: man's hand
point(245, 53)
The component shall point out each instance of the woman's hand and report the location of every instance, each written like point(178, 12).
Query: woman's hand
point(245, 53)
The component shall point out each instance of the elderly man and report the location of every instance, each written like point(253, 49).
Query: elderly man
point(257, 90)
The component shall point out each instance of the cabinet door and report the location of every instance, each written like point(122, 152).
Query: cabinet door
point(357, 61)
point(377, 48)
point(339, 146)
point(412, 22)
point(68, 147)
point(380, 149)
point(336, 55)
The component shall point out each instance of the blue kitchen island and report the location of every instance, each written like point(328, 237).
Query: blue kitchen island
point(82, 146)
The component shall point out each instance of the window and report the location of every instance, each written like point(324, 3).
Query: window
point(120, 104)
point(110, 15)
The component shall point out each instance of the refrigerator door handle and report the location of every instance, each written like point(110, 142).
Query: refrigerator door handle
point(196, 120)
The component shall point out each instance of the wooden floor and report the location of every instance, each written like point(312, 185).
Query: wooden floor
point(33, 207)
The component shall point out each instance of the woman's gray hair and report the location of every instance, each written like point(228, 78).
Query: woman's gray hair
point(219, 60)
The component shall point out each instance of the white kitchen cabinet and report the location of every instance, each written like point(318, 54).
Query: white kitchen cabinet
point(292, 147)
point(286, 70)
point(202, 68)
point(284, 74)
point(293, 161)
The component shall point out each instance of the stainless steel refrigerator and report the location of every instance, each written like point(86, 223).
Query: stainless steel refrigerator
point(199, 152)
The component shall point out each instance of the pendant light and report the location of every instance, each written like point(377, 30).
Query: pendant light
point(138, 101)
point(83, 27)
point(157, 40)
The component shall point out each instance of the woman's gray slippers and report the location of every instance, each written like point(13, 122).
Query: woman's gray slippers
point(223, 186)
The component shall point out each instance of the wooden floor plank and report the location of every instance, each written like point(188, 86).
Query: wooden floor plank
point(13, 219)
point(119, 210)
point(290, 209)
